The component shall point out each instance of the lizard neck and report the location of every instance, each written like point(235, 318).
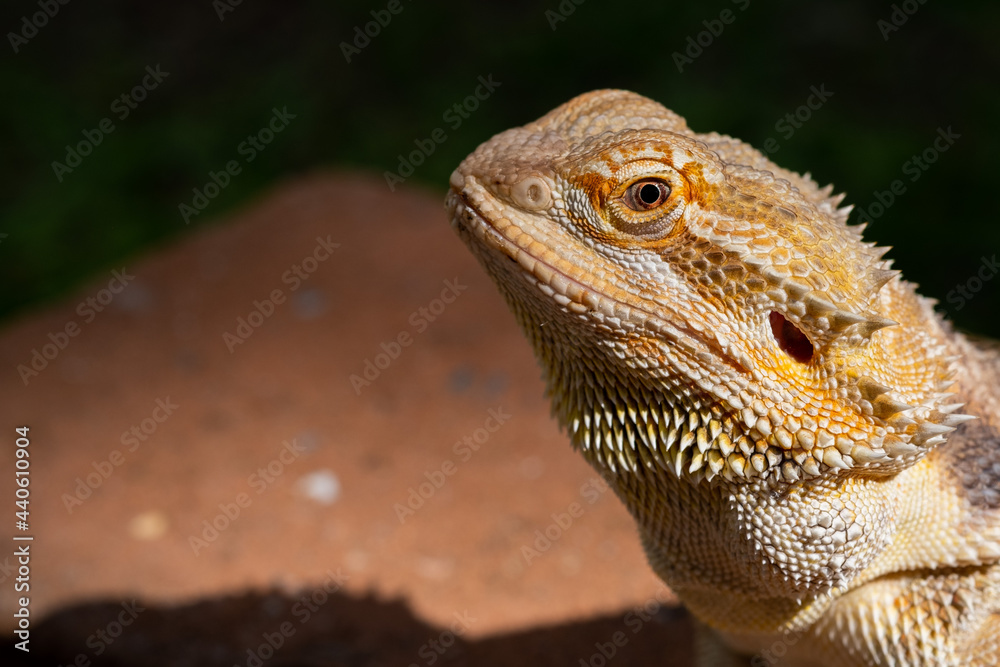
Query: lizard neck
point(729, 549)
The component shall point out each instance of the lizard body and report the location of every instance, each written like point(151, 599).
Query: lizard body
point(810, 452)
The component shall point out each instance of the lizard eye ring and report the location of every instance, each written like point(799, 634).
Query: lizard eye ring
point(648, 207)
point(647, 194)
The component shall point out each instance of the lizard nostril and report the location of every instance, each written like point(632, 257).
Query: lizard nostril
point(790, 338)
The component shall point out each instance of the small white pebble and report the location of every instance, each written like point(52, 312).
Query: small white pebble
point(321, 486)
point(571, 563)
point(435, 569)
point(356, 559)
point(148, 526)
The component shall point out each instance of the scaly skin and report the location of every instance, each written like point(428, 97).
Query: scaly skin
point(792, 427)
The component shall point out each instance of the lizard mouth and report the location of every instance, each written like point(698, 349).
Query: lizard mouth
point(573, 294)
point(467, 220)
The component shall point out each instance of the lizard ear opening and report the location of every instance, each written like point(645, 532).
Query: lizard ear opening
point(790, 338)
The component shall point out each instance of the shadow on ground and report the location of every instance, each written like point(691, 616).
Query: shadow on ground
point(312, 629)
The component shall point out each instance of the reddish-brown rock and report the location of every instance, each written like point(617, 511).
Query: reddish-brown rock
point(331, 502)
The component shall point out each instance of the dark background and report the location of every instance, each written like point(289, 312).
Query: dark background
point(892, 90)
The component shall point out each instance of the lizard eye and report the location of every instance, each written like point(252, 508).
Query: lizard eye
point(646, 194)
point(648, 207)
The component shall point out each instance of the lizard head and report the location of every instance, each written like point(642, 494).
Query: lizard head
point(697, 308)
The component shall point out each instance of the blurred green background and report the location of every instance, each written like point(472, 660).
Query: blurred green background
point(892, 90)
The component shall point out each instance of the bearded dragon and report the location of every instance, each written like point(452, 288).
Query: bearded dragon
point(810, 452)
